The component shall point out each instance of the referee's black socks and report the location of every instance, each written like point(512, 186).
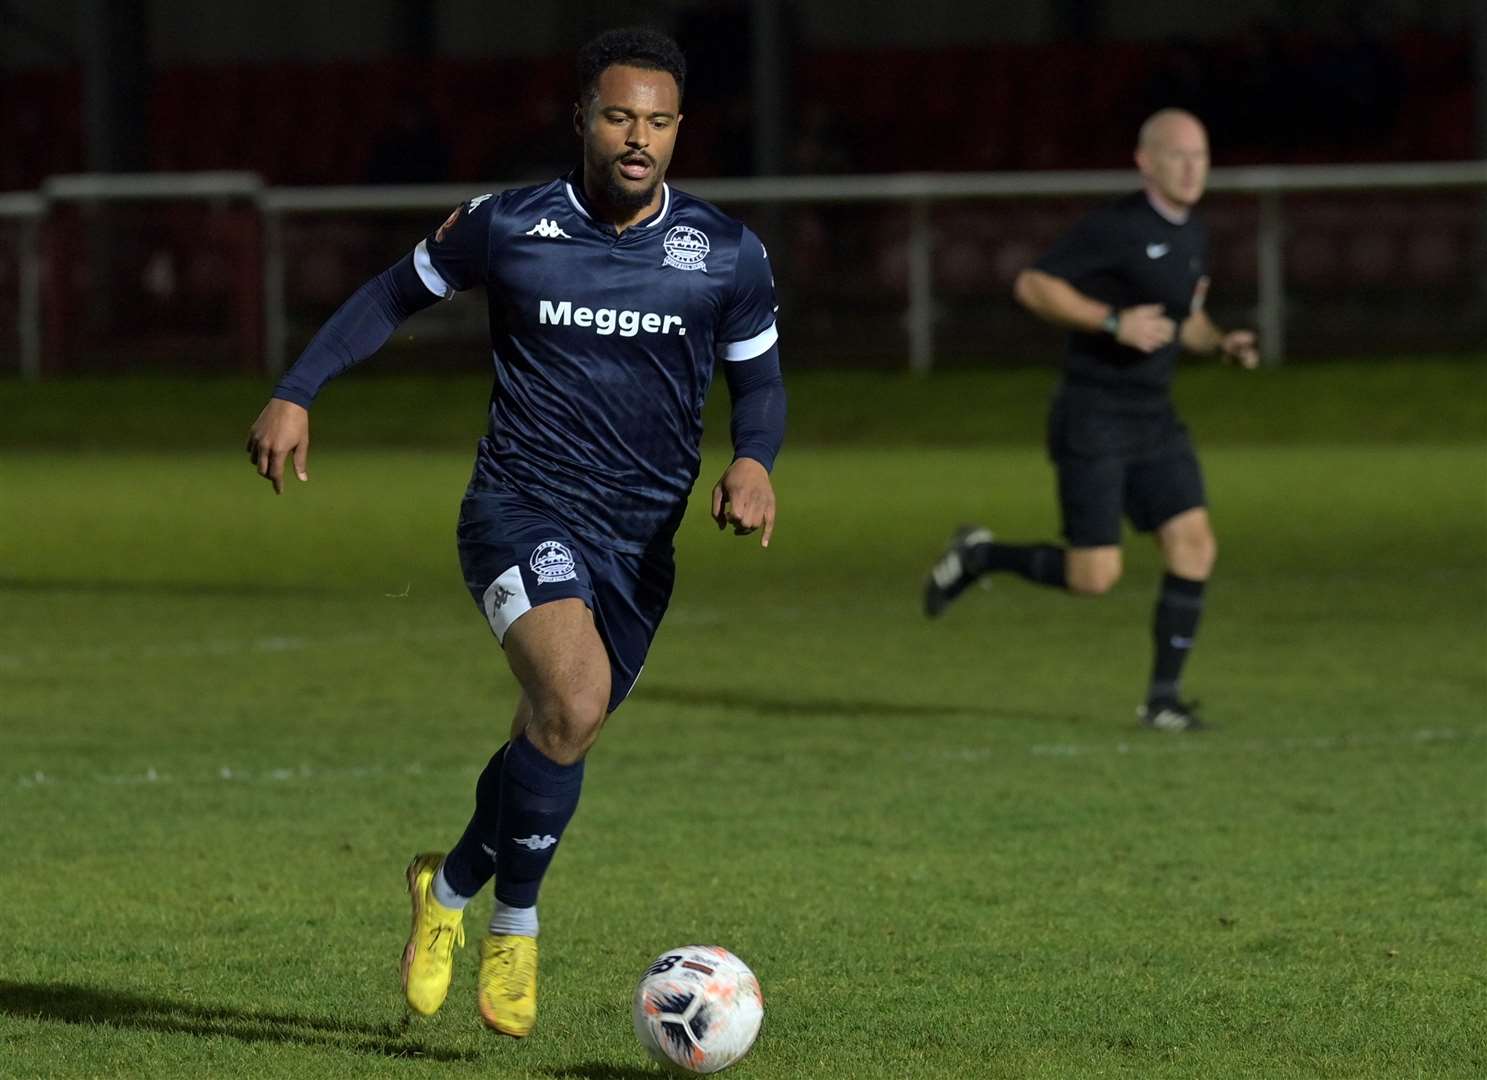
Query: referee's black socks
point(1042, 564)
point(1174, 626)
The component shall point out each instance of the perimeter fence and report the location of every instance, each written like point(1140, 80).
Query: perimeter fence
point(211, 272)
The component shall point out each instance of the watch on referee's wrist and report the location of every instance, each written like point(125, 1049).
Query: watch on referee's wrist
point(1111, 323)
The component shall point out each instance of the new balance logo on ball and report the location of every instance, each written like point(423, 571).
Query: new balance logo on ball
point(550, 229)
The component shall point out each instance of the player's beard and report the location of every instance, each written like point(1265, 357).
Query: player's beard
point(623, 197)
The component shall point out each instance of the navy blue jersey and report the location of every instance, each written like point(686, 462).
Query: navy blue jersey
point(604, 346)
point(1124, 254)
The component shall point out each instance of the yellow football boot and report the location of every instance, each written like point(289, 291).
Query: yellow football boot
point(428, 961)
point(508, 983)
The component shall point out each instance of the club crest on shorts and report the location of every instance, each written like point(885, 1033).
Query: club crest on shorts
point(686, 248)
point(552, 562)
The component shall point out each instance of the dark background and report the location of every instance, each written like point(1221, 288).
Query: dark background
point(479, 95)
point(429, 90)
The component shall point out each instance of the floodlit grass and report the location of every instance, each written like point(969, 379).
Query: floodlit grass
point(226, 721)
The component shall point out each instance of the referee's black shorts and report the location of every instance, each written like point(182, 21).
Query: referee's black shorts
point(1115, 463)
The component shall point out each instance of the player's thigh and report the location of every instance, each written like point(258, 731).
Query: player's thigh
point(557, 656)
point(1089, 499)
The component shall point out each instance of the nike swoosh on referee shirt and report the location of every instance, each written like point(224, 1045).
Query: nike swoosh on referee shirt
point(1156, 251)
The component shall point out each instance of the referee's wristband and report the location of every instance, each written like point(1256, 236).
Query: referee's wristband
point(1111, 323)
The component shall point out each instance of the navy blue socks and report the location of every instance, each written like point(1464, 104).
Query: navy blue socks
point(472, 861)
point(523, 802)
point(538, 798)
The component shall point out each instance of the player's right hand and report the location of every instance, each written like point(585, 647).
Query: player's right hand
point(281, 433)
point(1145, 327)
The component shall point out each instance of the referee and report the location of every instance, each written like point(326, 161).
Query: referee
point(1128, 281)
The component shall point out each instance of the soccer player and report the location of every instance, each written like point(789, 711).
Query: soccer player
point(1129, 283)
point(611, 295)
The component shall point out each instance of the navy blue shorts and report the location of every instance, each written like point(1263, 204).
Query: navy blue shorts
point(516, 556)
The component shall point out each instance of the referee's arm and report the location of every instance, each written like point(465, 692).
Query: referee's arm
point(1144, 327)
point(1200, 334)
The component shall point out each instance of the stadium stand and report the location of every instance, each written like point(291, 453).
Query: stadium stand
point(300, 123)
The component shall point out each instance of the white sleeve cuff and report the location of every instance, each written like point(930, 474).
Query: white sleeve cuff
point(747, 350)
point(427, 274)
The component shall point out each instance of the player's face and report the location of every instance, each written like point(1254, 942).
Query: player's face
point(1175, 161)
point(629, 132)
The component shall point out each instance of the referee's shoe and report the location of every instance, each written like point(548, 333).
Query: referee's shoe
point(951, 574)
point(1171, 716)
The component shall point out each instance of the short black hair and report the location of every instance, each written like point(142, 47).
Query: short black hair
point(632, 46)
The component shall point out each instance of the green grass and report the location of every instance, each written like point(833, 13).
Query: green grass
point(226, 720)
point(1430, 399)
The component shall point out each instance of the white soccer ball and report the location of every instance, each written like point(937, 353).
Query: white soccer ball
point(698, 1008)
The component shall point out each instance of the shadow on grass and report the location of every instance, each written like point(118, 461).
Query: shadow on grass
point(779, 705)
point(88, 1005)
point(602, 1070)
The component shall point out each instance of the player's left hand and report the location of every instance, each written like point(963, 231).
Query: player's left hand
point(1241, 347)
point(744, 498)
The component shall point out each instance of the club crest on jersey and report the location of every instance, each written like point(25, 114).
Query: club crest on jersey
point(686, 248)
point(552, 562)
point(454, 215)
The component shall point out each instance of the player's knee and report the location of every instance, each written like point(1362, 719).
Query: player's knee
point(1093, 585)
point(1193, 555)
point(1093, 580)
point(564, 727)
point(1207, 554)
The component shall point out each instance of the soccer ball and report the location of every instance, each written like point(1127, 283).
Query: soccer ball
point(698, 1009)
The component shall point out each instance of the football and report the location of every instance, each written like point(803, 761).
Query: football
point(698, 1009)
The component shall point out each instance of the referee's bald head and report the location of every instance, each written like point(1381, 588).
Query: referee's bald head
point(1165, 125)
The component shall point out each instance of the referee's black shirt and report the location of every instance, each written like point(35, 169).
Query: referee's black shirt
point(1124, 254)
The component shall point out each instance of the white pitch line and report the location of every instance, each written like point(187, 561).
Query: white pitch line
point(1217, 743)
point(222, 647)
point(227, 774)
point(397, 632)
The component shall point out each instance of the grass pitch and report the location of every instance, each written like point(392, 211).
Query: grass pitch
point(226, 721)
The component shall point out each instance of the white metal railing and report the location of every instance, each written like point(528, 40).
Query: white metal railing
point(27, 209)
point(919, 191)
